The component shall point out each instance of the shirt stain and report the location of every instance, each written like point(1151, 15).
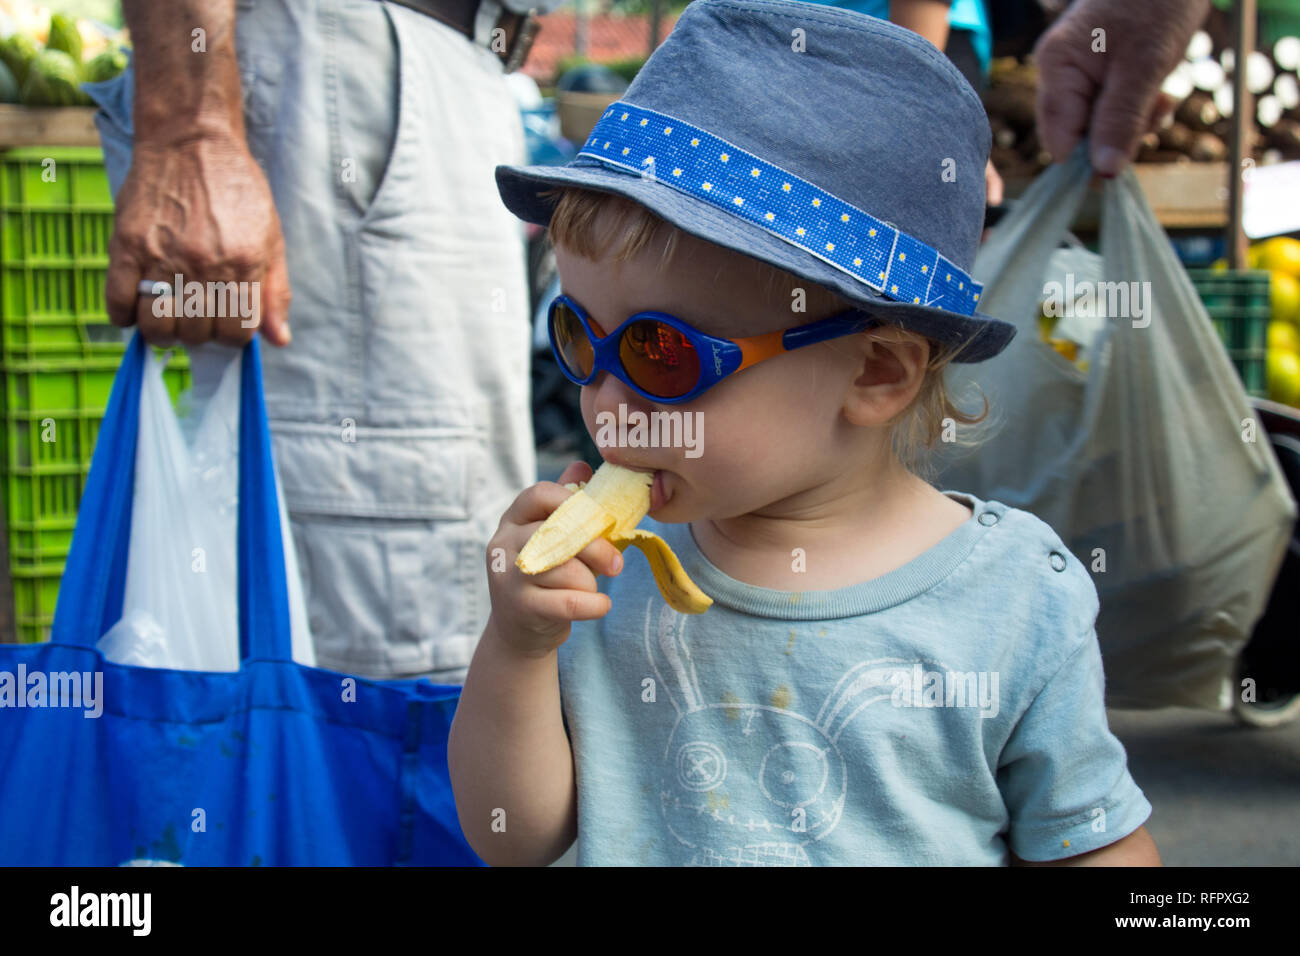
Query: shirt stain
point(781, 697)
point(790, 645)
point(731, 712)
point(719, 801)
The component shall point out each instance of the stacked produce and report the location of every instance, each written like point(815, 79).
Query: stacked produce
point(44, 57)
point(1199, 128)
point(1281, 257)
point(1009, 102)
point(1202, 87)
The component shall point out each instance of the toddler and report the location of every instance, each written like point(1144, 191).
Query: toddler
point(770, 232)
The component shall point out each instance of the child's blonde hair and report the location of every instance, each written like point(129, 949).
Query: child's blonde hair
point(914, 430)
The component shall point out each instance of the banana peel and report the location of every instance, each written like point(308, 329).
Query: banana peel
point(682, 594)
point(611, 505)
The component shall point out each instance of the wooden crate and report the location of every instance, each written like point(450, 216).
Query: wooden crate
point(47, 126)
point(1182, 195)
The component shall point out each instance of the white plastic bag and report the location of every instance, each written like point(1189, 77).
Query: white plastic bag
point(1078, 316)
point(181, 608)
point(1149, 465)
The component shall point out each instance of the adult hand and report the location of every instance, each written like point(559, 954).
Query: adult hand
point(1107, 85)
point(200, 208)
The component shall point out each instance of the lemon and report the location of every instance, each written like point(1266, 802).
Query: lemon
point(1220, 265)
point(1284, 293)
point(1283, 336)
point(1280, 254)
point(1283, 373)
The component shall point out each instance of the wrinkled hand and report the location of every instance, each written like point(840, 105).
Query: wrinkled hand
point(1112, 97)
point(203, 209)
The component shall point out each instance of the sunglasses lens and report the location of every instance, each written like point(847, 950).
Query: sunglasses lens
point(659, 358)
point(571, 338)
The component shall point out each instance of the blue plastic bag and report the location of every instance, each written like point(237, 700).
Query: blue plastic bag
point(275, 764)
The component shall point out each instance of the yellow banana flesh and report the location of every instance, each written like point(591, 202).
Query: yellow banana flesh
point(613, 502)
point(611, 505)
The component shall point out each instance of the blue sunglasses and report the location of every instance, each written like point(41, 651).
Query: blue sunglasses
point(658, 355)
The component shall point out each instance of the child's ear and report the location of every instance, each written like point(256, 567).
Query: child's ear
point(891, 367)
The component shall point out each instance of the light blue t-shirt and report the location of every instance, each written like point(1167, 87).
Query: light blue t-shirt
point(935, 715)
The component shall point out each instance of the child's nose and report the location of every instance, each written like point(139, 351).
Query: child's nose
point(611, 392)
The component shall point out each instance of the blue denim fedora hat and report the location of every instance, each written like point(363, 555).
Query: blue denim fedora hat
point(830, 144)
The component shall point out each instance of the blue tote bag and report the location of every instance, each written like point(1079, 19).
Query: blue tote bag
point(274, 764)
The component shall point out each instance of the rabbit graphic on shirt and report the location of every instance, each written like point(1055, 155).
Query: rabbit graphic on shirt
point(786, 777)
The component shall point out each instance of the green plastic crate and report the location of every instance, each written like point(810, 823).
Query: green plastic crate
point(1239, 306)
point(36, 590)
point(47, 436)
point(48, 429)
point(56, 219)
point(58, 357)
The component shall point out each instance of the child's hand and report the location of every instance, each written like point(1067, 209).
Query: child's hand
point(532, 613)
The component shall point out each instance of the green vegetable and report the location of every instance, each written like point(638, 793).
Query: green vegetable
point(105, 66)
point(64, 36)
point(52, 80)
point(8, 86)
point(17, 51)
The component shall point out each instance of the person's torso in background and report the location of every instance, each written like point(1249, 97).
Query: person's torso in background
point(400, 412)
point(968, 15)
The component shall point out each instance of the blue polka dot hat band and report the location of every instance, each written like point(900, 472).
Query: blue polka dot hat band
point(693, 160)
point(836, 147)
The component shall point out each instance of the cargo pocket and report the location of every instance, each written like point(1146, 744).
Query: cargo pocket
point(391, 558)
point(365, 471)
point(389, 598)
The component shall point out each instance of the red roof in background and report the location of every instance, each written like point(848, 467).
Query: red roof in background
point(609, 37)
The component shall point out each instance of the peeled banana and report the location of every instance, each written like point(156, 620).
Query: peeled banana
point(611, 505)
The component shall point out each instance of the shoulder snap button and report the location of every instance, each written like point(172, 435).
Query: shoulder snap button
point(1058, 561)
point(988, 518)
